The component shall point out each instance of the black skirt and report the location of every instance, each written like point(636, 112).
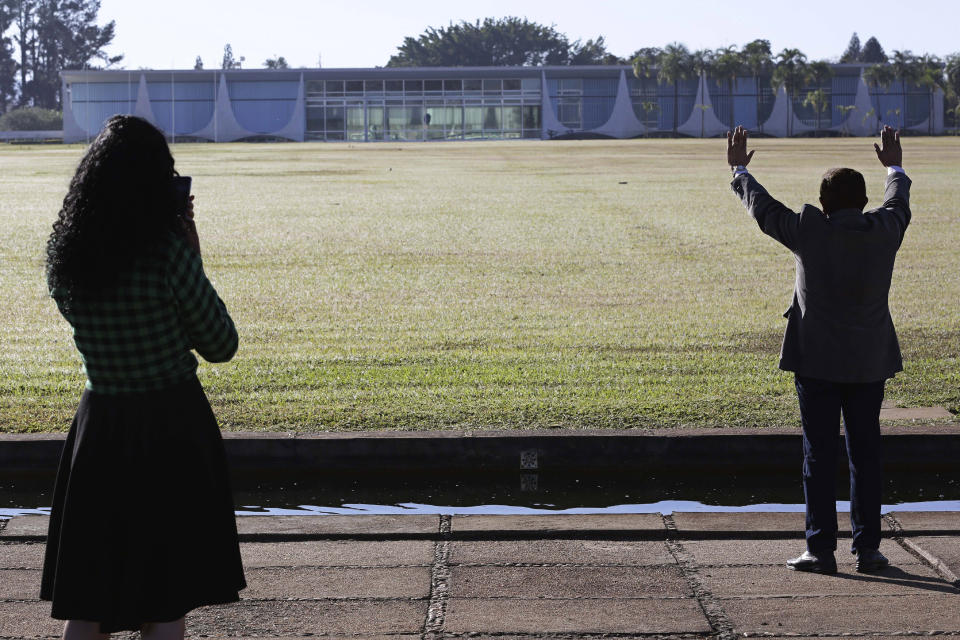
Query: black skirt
point(142, 527)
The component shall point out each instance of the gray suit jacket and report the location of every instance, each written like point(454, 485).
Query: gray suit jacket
point(839, 326)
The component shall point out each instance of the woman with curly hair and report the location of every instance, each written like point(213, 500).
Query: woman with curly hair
point(142, 528)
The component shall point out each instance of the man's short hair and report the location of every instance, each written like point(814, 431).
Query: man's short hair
point(843, 189)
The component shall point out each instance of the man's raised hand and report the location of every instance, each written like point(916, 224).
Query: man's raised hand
point(737, 148)
point(890, 154)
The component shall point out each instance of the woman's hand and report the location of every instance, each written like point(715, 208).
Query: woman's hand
point(190, 227)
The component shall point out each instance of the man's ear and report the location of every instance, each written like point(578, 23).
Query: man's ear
point(823, 205)
point(865, 201)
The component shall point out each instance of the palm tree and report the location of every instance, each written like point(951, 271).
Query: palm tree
point(702, 61)
point(789, 73)
point(818, 73)
point(675, 65)
point(757, 58)
point(952, 74)
point(877, 76)
point(645, 62)
point(932, 77)
point(904, 66)
point(728, 65)
point(820, 101)
point(845, 111)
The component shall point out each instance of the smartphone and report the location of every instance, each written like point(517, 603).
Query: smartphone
point(181, 193)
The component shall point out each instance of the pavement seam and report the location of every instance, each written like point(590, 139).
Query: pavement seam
point(535, 565)
point(762, 565)
point(439, 583)
point(927, 558)
point(716, 616)
point(338, 599)
point(817, 596)
point(563, 635)
point(329, 566)
point(833, 635)
point(19, 601)
point(573, 598)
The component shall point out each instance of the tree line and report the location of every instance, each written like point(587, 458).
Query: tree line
point(791, 70)
point(41, 38)
point(516, 41)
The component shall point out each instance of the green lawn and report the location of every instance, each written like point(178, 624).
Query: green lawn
point(492, 285)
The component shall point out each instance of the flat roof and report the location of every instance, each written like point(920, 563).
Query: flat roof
point(186, 75)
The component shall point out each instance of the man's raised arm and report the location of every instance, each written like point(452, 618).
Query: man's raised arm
point(774, 219)
point(896, 198)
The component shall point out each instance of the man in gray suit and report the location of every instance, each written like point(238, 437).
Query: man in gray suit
point(840, 342)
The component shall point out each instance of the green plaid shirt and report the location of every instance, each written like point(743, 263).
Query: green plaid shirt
point(137, 335)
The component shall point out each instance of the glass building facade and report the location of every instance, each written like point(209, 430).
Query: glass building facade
point(481, 103)
point(420, 108)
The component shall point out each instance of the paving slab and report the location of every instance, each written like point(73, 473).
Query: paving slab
point(21, 556)
point(777, 552)
point(551, 523)
point(19, 584)
point(726, 582)
point(34, 526)
point(625, 553)
point(28, 620)
point(928, 520)
point(468, 615)
point(915, 413)
point(302, 582)
point(744, 522)
point(568, 582)
point(845, 614)
point(324, 553)
point(264, 618)
point(338, 525)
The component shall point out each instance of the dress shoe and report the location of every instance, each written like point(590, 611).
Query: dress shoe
point(871, 560)
point(817, 563)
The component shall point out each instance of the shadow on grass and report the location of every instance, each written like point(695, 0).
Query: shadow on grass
point(929, 343)
point(916, 344)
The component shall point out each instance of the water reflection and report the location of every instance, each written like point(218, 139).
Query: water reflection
point(515, 494)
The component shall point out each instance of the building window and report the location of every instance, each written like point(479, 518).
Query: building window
point(569, 113)
point(492, 87)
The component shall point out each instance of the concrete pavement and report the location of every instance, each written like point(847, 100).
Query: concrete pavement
point(684, 575)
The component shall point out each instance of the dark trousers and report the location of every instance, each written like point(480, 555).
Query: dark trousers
point(821, 404)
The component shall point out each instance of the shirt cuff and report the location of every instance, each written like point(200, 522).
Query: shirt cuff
point(892, 169)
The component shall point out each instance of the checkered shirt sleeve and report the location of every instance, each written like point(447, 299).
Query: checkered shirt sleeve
point(203, 316)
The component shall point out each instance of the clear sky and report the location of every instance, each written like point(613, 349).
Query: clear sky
point(365, 33)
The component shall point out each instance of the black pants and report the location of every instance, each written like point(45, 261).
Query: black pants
point(821, 404)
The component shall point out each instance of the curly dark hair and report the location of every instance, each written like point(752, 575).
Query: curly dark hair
point(120, 205)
